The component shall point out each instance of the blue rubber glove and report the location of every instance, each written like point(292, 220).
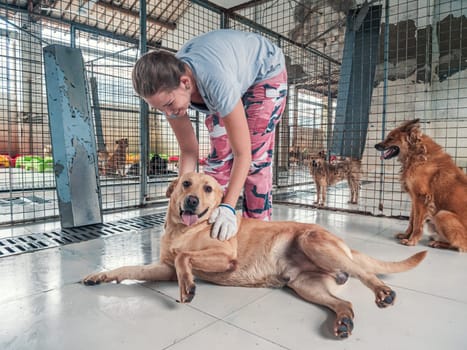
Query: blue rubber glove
point(224, 218)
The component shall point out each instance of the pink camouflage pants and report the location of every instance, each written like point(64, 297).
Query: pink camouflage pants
point(264, 104)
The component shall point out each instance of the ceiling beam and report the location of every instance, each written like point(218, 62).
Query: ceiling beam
point(128, 12)
point(245, 5)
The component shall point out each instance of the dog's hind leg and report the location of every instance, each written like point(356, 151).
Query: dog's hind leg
point(316, 288)
point(152, 272)
point(332, 255)
point(450, 228)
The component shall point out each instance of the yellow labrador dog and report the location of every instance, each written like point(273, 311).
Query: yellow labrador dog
point(304, 257)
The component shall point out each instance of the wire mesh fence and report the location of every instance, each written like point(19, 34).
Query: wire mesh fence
point(356, 70)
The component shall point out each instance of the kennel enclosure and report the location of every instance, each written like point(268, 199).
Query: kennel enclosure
point(356, 70)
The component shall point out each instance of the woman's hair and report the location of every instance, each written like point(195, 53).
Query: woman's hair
point(157, 71)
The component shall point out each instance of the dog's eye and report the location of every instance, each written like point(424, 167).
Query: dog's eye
point(186, 183)
point(208, 189)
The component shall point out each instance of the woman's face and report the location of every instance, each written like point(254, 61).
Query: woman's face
point(173, 103)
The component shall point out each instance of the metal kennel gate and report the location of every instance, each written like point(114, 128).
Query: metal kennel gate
point(356, 69)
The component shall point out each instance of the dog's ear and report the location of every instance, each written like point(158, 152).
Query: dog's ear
point(408, 126)
point(171, 188)
point(412, 128)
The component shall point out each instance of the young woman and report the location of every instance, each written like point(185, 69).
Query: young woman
point(239, 81)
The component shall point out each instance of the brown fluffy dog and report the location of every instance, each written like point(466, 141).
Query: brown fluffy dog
point(117, 161)
point(327, 174)
point(437, 187)
point(304, 257)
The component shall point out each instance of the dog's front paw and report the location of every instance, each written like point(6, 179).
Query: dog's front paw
point(187, 292)
point(187, 288)
point(97, 278)
point(408, 242)
point(385, 296)
point(401, 235)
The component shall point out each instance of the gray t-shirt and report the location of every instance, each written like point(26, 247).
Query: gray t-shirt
point(226, 63)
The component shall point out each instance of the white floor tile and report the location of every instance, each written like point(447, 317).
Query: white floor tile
point(226, 337)
point(105, 317)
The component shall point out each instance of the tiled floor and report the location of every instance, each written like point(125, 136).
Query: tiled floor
point(43, 307)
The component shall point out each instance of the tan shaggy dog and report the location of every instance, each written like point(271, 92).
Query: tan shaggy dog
point(437, 187)
point(117, 161)
point(304, 257)
point(327, 174)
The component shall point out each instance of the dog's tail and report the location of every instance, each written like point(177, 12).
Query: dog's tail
point(382, 267)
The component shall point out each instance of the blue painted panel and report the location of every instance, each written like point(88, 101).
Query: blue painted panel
point(356, 81)
point(73, 139)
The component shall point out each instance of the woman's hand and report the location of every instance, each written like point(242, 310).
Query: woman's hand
point(224, 219)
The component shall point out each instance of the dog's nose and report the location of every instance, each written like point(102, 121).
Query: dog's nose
point(379, 147)
point(191, 202)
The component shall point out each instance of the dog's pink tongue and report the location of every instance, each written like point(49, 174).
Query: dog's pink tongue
point(189, 219)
